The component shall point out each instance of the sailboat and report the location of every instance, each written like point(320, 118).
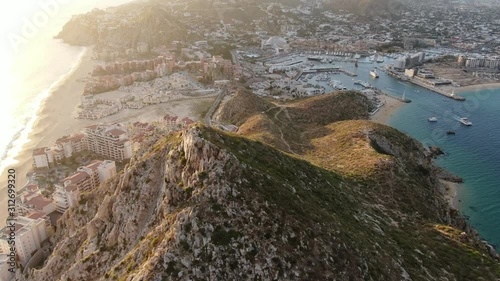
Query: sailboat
point(404, 99)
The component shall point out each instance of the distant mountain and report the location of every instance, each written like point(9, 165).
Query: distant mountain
point(123, 27)
point(367, 7)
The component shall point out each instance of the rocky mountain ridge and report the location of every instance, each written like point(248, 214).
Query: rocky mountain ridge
point(206, 205)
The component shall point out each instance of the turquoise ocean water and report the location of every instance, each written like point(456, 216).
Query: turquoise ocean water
point(473, 153)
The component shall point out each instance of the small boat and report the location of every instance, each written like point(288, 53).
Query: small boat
point(465, 121)
point(374, 73)
point(450, 133)
point(404, 99)
point(432, 119)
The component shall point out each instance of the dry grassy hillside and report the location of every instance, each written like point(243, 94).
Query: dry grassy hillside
point(289, 127)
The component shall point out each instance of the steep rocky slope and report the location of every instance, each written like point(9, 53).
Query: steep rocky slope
point(205, 205)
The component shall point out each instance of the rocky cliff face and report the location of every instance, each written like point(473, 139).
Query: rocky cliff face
point(204, 205)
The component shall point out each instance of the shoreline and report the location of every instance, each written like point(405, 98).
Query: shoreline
point(49, 126)
point(478, 87)
point(451, 193)
point(57, 118)
point(391, 106)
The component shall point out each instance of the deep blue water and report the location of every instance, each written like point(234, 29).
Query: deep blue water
point(473, 153)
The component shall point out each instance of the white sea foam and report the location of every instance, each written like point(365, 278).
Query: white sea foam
point(21, 136)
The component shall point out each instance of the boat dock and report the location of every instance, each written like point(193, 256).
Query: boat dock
point(424, 85)
point(380, 92)
point(332, 70)
point(436, 90)
point(348, 73)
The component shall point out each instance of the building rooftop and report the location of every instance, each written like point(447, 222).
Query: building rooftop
point(93, 166)
point(76, 178)
point(39, 151)
point(72, 138)
point(36, 215)
point(71, 188)
point(116, 132)
point(39, 202)
point(32, 187)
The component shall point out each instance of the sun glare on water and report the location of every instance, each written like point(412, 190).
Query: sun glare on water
point(16, 57)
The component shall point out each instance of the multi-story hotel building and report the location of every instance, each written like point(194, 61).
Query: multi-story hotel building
point(86, 178)
point(30, 233)
point(65, 197)
point(110, 141)
point(72, 144)
point(90, 176)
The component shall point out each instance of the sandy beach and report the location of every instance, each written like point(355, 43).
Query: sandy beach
point(57, 119)
point(390, 107)
point(471, 88)
point(451, 192)
point(54, 122)
point(383, 116)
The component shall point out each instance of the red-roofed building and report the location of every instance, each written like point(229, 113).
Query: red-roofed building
point(81, 179)
point(35, 215)
point(65, 197)
point(171, 121)
point(28, 195)
point(110, 141)
point(40, 203)
point(90, 176)
point(31, 187)
point(186, 121)
point(29, 235)
point(72, 144)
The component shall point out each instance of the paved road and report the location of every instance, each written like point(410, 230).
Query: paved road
point(215, 105)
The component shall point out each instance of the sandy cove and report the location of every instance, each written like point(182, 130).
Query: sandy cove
point(451, 193)
point(385, 112)
point(57, 119)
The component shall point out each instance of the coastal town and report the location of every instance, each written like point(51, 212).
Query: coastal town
point(276, 51)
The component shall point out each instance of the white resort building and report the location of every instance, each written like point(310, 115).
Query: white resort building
point(86, 178)
point(30, 233)
point(110, 141)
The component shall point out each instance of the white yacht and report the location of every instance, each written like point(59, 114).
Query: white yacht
point(432, 119)
point(374, 73)
point(465, 121)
